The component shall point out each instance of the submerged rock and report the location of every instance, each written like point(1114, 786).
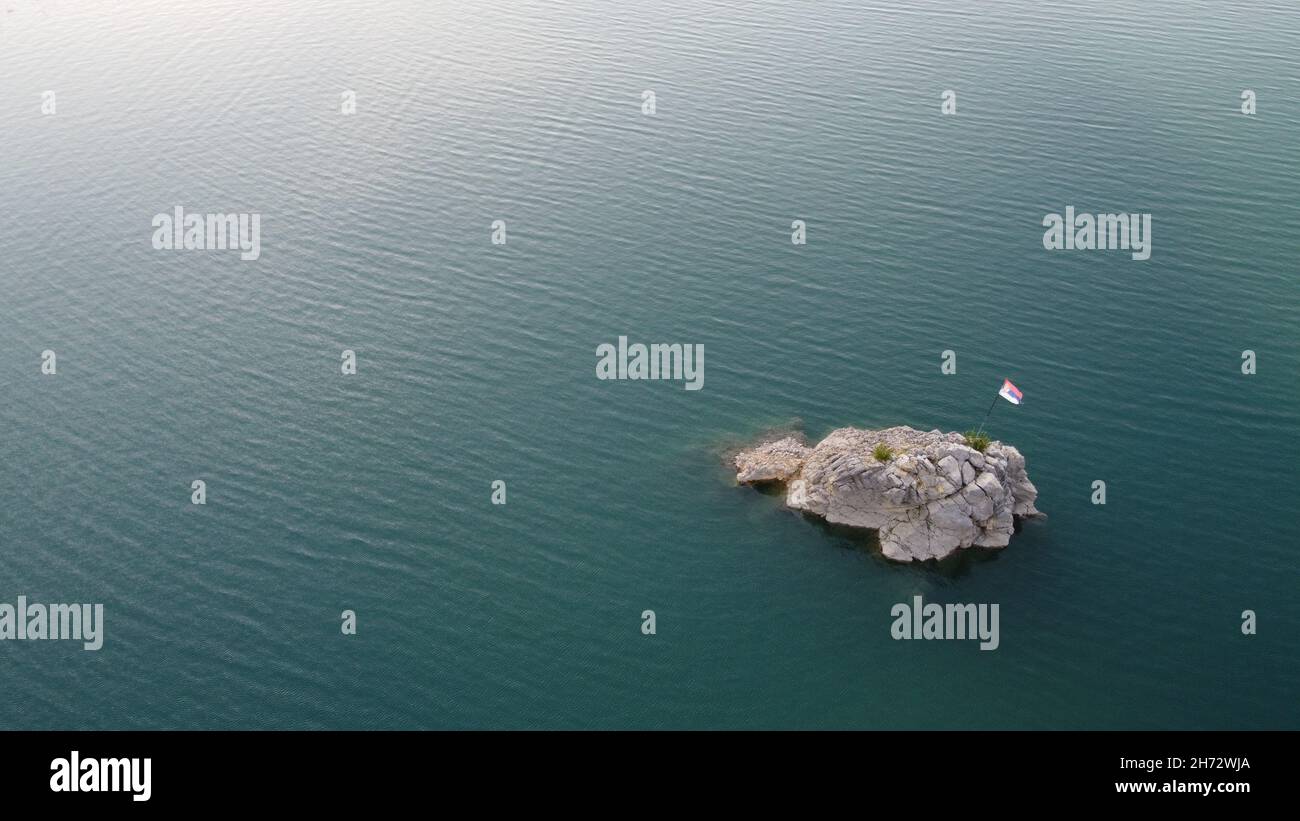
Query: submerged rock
point(934, 495)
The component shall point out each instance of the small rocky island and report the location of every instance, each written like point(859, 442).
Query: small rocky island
point(929, 494)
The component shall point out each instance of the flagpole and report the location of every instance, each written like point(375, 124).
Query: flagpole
point(996, 397)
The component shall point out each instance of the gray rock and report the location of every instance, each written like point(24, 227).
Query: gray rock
point(934, 496)
point(771, 462)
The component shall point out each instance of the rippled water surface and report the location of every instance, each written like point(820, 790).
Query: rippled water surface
point(477, 361)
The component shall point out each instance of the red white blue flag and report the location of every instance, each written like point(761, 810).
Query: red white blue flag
point(1010, 392)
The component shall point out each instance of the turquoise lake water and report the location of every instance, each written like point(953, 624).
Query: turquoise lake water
point(476, 362)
